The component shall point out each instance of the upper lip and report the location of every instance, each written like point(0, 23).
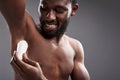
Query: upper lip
point(51, 23)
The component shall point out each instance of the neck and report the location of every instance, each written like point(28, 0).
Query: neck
point(56, 40)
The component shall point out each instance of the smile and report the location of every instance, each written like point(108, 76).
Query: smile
point(50, 27)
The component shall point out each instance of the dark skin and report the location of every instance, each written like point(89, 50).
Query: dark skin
point(53, 58)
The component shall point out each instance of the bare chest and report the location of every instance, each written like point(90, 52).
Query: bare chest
point(56, 62)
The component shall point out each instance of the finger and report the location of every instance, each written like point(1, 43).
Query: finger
point(12, 57)
point(41, 72)
point(19, 62)
point(29, 61)
point(39, 67)
point(16, 68)
point(22, 64)
point(13, 63)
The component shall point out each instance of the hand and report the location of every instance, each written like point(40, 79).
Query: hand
point(27, 69)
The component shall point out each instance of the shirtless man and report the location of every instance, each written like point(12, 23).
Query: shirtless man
point(51, 54)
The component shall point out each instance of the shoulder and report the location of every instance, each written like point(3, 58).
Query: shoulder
point(76, 44)
point(78, 48)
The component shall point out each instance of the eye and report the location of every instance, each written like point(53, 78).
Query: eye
point(60, 9)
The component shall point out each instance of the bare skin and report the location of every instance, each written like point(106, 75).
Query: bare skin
point(46, 59)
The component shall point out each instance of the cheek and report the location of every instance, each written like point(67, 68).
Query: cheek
point(66, 15)
point(42, 17)
point(62, 17)
point(62, 20)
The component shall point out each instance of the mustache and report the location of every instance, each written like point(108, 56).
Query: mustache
point(50, 22)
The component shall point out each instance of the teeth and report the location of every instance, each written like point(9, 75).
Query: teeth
point(50, 26)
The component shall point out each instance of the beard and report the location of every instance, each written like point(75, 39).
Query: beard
point(49, 34)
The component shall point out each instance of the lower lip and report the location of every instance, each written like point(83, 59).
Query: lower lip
point(50, 27)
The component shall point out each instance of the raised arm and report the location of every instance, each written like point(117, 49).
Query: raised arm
point(14, 14)
point(79, 71)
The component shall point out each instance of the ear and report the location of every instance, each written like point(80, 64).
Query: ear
point(74, 9)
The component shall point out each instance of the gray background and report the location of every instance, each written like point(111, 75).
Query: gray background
point(96, 25)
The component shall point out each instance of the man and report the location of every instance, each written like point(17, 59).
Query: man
point(51, 54)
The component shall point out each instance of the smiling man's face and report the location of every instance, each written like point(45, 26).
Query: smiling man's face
point(54, 17)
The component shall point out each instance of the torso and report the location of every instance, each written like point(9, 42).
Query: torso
point(56, 61)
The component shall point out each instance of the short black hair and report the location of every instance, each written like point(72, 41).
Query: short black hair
point(74, 2)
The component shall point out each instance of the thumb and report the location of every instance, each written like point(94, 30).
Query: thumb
point(29, 61)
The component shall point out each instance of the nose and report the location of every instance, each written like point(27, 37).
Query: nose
point(51, 15)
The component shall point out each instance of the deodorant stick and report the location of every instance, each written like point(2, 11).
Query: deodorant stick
point(21, 48)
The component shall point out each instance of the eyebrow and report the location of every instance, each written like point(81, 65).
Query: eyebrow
point(62, 7)
point(58, 6)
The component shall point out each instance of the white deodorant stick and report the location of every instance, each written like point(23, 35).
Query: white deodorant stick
point(21, 48)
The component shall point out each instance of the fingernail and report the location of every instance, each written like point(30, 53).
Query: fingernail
point(12, 56)
point(11, 59)
point(14, 53)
